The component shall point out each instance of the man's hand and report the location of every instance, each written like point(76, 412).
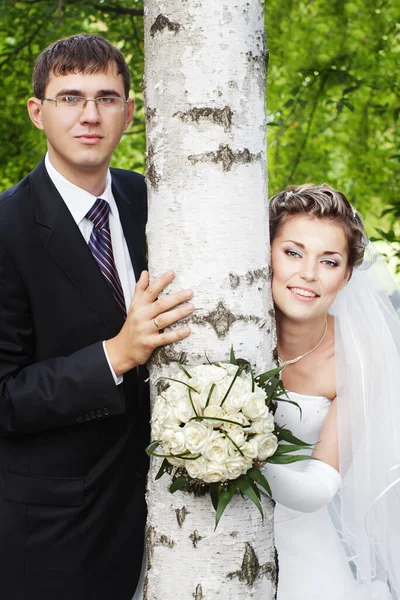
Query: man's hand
point(140, 334)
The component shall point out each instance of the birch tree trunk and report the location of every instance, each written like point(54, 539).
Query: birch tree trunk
point(205, 108)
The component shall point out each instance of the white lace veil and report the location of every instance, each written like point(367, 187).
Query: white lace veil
point(366, 511)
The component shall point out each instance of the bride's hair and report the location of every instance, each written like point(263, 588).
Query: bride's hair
point(322, 202)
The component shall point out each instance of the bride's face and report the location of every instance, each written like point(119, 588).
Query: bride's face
point(309, 263)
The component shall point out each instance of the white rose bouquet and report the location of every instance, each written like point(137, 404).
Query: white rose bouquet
point(214, 428)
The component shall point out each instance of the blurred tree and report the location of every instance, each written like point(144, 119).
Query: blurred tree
point(333, 98)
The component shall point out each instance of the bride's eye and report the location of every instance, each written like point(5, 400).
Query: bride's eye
point(292, 253)
point(330, 263)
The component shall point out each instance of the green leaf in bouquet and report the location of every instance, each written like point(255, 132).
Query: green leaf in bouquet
point(239, 370)
point(152, 447)
point(210, 393)
point(151, 451)
point(166, 467)
point(178, 483)
point(232, 357)
point(264, 377)
point(286, 435)
point(257, 476)
point(214, 492)
point(249, 489)
point(286, 448)
point(182, 368)
point(225, 495)
point(271, 386)
point(182, 382)
point(286, 459)
point(234, 443)
point(191, 402)
point(202, 418)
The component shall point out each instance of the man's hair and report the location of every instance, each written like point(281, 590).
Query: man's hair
point(321, 202)
point(83, 53)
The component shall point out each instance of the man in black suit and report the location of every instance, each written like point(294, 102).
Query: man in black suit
point(73, 402)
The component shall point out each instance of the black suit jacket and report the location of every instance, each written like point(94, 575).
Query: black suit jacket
point(72, 460)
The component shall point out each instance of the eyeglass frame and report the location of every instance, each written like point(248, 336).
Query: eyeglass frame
point(86, 100)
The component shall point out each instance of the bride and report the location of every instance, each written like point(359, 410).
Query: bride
point(337, 519)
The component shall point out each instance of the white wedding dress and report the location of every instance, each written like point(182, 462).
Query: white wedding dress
point(312, 562)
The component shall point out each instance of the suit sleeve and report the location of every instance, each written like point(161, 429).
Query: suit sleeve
point(58, 392)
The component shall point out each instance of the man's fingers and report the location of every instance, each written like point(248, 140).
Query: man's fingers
point(166, 319)
point(165, 303)
point(142, 284)
point(159, 284)
point(173, 336)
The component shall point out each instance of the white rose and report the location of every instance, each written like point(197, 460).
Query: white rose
point(215, 412)
point(237, 466)
point(215, 472)
point(237, 419)
point(254, 406)
point(182, 408)
point(230, 369)
point(267, 445)
point(217, 449)
point(163, 413)
point(264, 425)
point(174, 439)
point(238, 436)
point(196, 468)
point(197, 435)
point(234, 402)
point(203, 376)
point(250, 449)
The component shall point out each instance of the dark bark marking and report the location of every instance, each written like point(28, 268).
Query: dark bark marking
point(251, 569)
point(234, 280)
point(256, 275)
point(166, 355)
point(154, 539)
point(225, 156)
point(195, 537)
point(198, 594)
point(151, 173)
point(270, 273)
point(219, 116)
point(221, 319)
point(181, 515)
point(162, 22)
point(150, 114)
point(251, 277)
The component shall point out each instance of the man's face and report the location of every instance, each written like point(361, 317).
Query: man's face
point(81, 141)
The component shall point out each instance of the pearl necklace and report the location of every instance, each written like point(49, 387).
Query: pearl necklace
point(295, 360)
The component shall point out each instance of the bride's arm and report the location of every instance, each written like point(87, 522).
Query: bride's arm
point(310, 489)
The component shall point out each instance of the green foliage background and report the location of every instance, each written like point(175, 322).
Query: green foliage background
point(333, 93)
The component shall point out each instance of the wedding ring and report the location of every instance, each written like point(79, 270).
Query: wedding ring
point(156, 324)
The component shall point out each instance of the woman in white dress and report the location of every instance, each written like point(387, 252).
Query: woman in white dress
point(337, 519)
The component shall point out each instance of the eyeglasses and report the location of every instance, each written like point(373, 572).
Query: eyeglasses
point(109, 104)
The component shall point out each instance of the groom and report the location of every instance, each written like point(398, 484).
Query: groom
point(74, 411)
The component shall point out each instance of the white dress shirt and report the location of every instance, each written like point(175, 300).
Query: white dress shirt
point(79, 202)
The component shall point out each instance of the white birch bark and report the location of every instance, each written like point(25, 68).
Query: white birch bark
point(205, 108)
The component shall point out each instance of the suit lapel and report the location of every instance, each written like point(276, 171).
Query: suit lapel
point(132, 220)
point(64, 241)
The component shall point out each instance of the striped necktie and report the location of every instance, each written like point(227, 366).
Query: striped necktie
point(101, 248)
